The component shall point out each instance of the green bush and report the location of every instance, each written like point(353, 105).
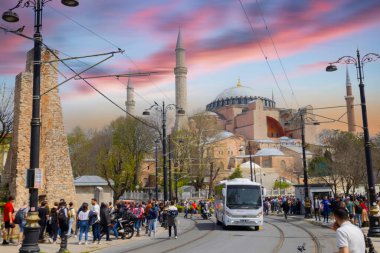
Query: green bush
point(180, 209)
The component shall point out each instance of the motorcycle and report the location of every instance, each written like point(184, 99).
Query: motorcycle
point(206, 214)
point(125, 225)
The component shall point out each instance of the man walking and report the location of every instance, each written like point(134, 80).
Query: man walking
point(316, 206)
point(349, 237)
point(152, 219)
point(95, 220)
point(172, 219)
point(43, 214)
point(8, 221)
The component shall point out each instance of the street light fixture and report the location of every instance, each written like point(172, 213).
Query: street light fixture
point(32, 228)
point(163, 109)
point(374, 220)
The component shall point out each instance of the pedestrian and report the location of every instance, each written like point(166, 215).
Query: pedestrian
point(146, 212)
point(95, 220)
point(71, 212)
point(138, 211)
point(63, 222)
point(83, 221)
point(285, 208)
point(365, 220)
point(20, 219)
point(350, 208)
point(349, 237)
point(8, 221)
point(186, 209)
point(316, 205)
point(152, 220)
point(43, 214)
point(105, 220)
point(326, 209)
point(53, 220)
point(172, 219)
point(358, 210)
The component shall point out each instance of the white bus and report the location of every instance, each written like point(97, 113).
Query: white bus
point(239, 202)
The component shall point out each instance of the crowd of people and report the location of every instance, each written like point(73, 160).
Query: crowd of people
point(61, 221)
point(356, 206)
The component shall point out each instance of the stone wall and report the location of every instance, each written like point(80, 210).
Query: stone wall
point(58, 182)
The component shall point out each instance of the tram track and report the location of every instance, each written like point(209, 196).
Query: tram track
point(317, 245)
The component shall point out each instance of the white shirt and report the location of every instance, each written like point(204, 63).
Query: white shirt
point(350, 236)
point(83, 215)
point(96, 208)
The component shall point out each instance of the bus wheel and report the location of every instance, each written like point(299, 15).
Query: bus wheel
point(225, 227)
point(257, 228)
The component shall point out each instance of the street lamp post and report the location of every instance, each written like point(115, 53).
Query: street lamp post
point(374, 220)
point(170, 169)
point(250, 162)
point(304, 164)
point(163, 109)
point(156, 157)
point(30, 242)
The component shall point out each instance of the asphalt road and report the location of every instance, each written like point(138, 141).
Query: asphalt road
point(205, 236)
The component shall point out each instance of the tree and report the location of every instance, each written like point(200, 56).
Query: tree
point(82, 149)
point(124, 145)
point(281, 185)
point(236, 174)
point(6, 113)
point(342, 163)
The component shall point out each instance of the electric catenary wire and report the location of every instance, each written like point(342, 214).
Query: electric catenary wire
point(111, 43)
point(278, 55)
point(263, 53)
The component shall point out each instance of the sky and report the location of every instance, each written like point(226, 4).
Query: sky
point(285, 52)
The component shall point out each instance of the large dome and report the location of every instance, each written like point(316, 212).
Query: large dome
point(238, 95)
point(235, 92)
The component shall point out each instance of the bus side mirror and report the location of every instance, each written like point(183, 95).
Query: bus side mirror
point(224, 192)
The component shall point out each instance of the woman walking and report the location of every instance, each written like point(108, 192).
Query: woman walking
point(83, 221)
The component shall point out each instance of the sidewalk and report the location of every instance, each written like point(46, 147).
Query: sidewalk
point(375, 240)
point(73, 247)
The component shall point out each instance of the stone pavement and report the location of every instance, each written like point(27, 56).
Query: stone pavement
point(73, 247)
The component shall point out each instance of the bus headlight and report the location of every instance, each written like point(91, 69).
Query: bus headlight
point(229, 214)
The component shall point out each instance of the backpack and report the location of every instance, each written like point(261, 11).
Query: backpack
point(19, 217)
point(63, 217)
point(152, 213)
point(358, 209)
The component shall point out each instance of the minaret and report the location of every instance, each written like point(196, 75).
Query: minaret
point(180, 72)
point(350, 105)
point(130, 103)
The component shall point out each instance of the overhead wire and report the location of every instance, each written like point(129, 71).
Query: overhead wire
point(109, 42)
point(278, 56)
point(263, 53)
point(77, 74)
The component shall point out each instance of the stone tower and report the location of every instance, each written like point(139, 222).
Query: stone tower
point(350, 104)
point(180, 71)
point(57, 175)
point(130, 103)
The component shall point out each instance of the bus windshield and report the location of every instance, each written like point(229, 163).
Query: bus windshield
point(243, 197)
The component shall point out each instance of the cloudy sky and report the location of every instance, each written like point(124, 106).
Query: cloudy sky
point(220, 45)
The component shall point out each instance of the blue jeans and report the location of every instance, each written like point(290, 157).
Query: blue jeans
point(137, 225)
point(114, 229)
point(186, 212)
point(152, 226)
point(71, 220)
point(96, 231)
point(83, 226)
point(359, 218)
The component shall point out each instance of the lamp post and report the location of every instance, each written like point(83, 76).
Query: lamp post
point(170, 169)
point(250, 162)
point(156, 158)
point(30, 242)
point(374, 220)
point(163, 109)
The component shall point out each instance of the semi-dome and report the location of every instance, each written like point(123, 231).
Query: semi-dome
point(238, 95)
